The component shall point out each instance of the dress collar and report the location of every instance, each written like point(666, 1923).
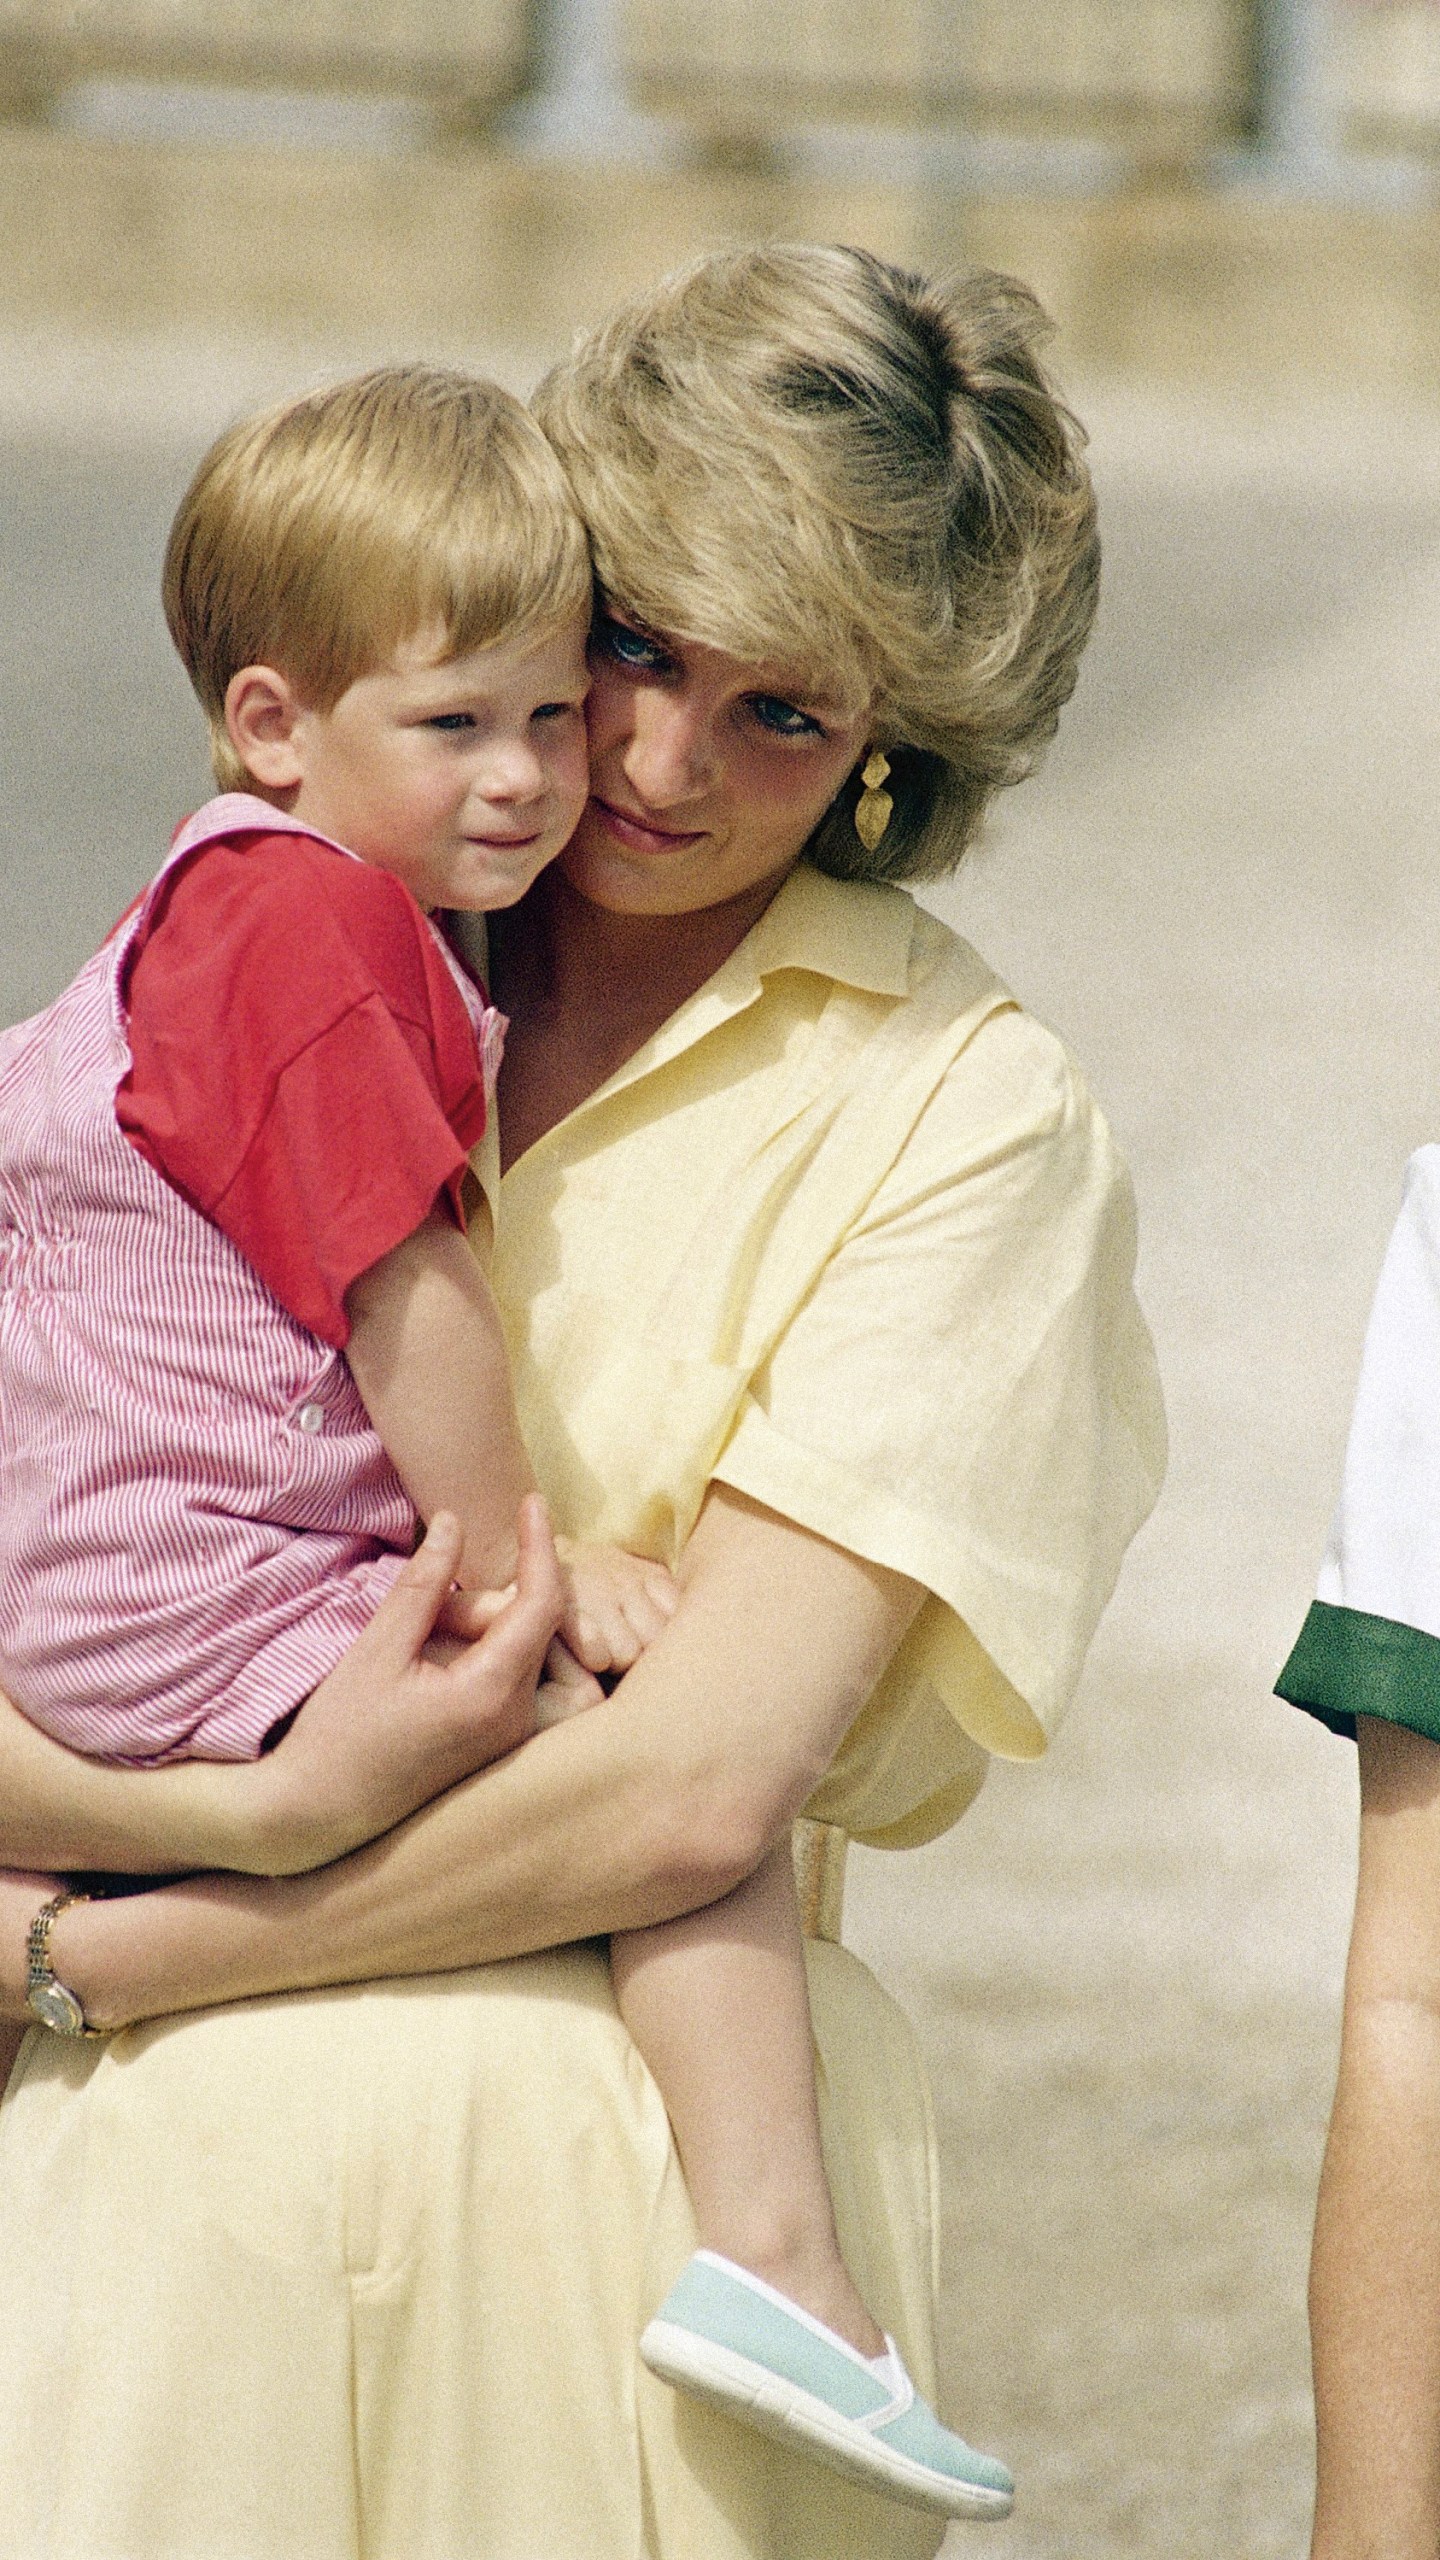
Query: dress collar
point(860, 936)
point(854, 935)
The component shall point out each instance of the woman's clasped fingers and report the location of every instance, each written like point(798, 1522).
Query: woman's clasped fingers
point(470, 1614)
point(406, 1618)
point(518, 1635)
point(424, 1598)
point(405, 1715)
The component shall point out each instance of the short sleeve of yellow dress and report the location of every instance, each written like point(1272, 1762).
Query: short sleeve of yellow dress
point(359, 2275)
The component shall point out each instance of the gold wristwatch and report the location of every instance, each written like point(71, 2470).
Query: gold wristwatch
point(45, 1998)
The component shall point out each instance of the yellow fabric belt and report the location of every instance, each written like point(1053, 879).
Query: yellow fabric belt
point(820, 1878)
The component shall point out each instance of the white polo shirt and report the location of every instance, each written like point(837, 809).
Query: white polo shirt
point(1371, 1643)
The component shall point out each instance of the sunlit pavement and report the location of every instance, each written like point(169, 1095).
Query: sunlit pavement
point(1224, 890)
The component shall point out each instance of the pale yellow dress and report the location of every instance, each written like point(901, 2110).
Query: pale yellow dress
point(358, 2275)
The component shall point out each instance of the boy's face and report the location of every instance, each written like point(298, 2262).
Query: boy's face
point(463, 778)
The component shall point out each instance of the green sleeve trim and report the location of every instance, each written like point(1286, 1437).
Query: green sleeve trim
point(1348, 1664)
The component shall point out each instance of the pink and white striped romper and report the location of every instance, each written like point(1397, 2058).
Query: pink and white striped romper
point(197, 1516)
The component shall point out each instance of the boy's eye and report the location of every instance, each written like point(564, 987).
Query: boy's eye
point(783, 718)
point(554, 710)
point(448, 721)
point(628, 647)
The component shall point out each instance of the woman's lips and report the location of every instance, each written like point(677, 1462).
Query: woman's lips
point(642, 838)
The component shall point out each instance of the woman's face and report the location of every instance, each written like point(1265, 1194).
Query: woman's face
point(706, 777)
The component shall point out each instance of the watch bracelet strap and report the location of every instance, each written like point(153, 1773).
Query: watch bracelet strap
point(39, 1969)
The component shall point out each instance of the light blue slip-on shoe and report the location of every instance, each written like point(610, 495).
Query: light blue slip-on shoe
point(731, 2339)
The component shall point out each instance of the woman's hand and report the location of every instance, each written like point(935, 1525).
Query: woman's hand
point(401, 1719)
point(398, 1721)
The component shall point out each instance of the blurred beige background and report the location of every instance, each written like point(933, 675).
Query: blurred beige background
point(1124, 1966)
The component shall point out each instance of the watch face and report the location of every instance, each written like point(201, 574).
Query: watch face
point(56, 2008)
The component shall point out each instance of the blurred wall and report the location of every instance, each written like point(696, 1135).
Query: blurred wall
point(1239, 190)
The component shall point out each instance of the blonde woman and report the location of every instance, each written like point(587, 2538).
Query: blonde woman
point(815, 1265)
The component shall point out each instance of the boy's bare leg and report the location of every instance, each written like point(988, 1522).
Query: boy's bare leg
point(717, 2004)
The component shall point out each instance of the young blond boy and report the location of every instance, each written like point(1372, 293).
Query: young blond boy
point(272, 1390)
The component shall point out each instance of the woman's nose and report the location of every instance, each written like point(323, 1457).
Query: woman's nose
point(671, 755)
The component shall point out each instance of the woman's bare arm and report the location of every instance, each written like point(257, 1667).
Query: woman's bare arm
point(654, 1802)
point(386, 1732)
point(59, 1810)
point(1375, 2277)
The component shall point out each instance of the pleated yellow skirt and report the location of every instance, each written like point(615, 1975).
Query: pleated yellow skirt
point(359, 2275)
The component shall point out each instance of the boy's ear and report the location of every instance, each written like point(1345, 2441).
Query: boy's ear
point(263, 715)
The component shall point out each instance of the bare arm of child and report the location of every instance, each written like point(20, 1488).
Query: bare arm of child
point(1375, 2274)
point(428, 1356)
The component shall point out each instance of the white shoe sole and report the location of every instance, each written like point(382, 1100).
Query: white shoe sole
point(781, 2409)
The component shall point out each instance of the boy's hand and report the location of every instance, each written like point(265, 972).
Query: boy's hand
point(615, 1604)
point(403, 1717)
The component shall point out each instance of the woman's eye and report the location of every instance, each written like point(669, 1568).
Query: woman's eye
point(448, 722)
point(783, 718)
point(628, 647)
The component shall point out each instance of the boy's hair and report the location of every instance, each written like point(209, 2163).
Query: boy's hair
point(863, 480)
point(320, 536)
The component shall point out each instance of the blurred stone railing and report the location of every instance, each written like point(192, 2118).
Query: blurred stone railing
point(467, 57)
point(1386, 74)
point(1161, 77)
point(1170, 76)
point(1039, 66)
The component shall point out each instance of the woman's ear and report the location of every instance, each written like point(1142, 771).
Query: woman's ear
point(263, 720)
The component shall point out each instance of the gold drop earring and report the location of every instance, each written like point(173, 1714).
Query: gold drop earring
point(874, 807)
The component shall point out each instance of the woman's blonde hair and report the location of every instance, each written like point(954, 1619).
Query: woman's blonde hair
point(863, 480)
point(320, 536)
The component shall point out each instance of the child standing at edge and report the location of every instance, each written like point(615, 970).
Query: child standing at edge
point(244, 1340)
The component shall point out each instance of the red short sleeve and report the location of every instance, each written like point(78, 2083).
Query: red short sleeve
point(304, 1070)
